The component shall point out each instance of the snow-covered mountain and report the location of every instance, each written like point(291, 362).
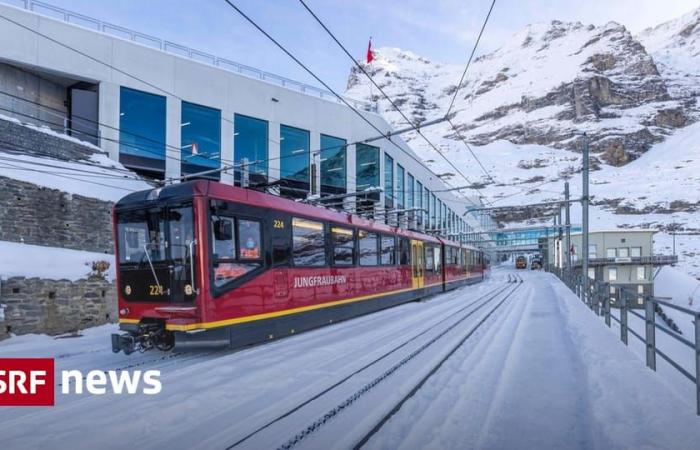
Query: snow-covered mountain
point(522, 109)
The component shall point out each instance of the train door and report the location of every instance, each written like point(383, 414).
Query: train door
point(417, 264)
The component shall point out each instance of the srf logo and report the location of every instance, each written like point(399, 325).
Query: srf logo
point(26, 382)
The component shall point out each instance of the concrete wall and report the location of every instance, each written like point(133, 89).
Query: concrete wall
point(34, 305)
point(34, 88)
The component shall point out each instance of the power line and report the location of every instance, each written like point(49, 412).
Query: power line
point(362, 69)
point(471, 56)
point(317, 78)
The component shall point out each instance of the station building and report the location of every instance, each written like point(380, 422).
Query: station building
point(168, 111)
point(622, 258)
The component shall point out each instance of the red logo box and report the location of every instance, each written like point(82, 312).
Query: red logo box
point(27, 382)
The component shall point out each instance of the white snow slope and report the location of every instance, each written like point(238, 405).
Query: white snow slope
point(542, 372)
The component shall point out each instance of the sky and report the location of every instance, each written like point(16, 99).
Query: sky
point(441, 30)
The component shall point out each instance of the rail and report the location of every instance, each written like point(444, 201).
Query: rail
point(117, 31)
point(599, 299)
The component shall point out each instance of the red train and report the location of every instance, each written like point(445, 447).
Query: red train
point(207, 263)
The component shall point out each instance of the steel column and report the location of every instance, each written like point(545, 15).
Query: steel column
point(650, 338)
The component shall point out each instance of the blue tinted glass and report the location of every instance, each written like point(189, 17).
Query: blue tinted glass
point(200, 138)
point(433, 222)
point(367, 162)
point(294, 154)
point(250, 141)
point(400, 185)
point(410, 184)
point(142, 125)
point(388, 178)
point(333, 163)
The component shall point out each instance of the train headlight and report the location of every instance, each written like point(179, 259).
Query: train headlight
point(124, 311)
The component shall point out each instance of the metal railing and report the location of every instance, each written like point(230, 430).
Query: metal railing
point(599, 299)
point(93, 24)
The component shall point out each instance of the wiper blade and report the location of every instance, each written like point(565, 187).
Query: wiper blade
point(150, 263)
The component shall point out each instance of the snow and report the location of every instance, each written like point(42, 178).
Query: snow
point(542, 372)
point(110, 181)
point(24, 260)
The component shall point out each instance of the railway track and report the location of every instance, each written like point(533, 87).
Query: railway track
point(442, 327)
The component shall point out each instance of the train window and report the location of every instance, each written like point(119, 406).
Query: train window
point(429, 258)
point(368, 248)
point(455, 257)
point(388, 250)
point(181, 233)
point(140, 231)
point(438, 260)
point(309, 243)
point(223, 243)
point(343, 246)
point(249, 239)
point(404, 252)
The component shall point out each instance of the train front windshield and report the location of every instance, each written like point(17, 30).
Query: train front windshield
point(155, 253)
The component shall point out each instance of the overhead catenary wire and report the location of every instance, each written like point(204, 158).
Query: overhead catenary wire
point(471, 57)
point(393, 104)
point(317, 78)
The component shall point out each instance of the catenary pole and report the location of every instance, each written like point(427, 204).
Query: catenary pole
point(584, 206)
point(567, 226)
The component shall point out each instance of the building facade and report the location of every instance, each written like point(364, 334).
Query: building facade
point(170, 112)
point(622, 258)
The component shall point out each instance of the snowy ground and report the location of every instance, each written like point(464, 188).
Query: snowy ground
point(541, 371)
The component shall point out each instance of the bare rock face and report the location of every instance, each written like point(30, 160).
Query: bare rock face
point(548, 84)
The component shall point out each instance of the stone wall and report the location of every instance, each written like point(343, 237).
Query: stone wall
point(22, 139)
point(41, 216)
point(36, 305)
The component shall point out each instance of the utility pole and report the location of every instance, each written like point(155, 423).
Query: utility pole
point(584, 206)
point(567, 226)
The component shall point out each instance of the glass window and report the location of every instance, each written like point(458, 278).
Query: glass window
point(400, 186)
point(429, 258)
point(433, 221)
point(181, 231)
point(591, 273)
point(419, 202)
point(640, 289)
point(250, 142)
point(223, 243)
point(623, 252)
point(636, 252)
point(309, 243)
point(611, 253)
point(404, 252)
point(592, 251)
point(343, 246)
point(641, 273)
point(141, 233)
point(388, 250)
point(410, 185)
point(367, 166)
point(142, 130)
point(438, 259)
point(612, 274)
point(200, 139)
point(249, 239)
point(333, 165)
point(389, 180)
point(294, 154)
point(368, 248)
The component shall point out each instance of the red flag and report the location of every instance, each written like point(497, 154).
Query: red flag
point(370, 55)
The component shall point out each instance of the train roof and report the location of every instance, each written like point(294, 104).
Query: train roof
point(220, 191)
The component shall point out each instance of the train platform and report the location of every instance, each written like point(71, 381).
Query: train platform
point(514, 362)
